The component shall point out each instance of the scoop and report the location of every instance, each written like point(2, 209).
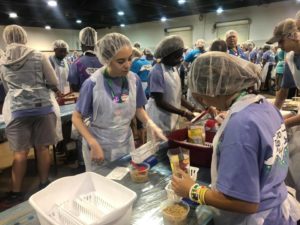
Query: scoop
point(195, 119)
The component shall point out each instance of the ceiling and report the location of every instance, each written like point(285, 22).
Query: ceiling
point(103, 13)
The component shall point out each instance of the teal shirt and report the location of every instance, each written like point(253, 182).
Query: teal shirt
point(280, 64)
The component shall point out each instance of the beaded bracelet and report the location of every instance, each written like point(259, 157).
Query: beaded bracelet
point(197, 193)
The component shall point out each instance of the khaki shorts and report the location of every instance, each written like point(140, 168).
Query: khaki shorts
point(31, 131)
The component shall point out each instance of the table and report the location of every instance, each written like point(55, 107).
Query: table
point(65, 114)
point(149, 196)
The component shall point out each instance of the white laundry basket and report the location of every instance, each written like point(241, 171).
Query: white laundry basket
point(87, 198)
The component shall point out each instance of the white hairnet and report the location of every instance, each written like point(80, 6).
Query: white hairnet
point(231, 33)
point(109, 45)
point(88, 36)
point(250, 44)
point(219, 73)
point(200, 43)
point(298, 15)
point(60, 44)
point(168, 45)
point(14, 34)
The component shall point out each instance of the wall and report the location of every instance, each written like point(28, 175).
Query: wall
point(42, 39)
point(263, 20)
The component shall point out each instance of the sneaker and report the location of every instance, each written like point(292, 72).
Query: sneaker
point(43, 185)
point(11, 199)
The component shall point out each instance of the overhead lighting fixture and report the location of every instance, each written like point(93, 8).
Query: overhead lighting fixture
point(52, 3)
point(13, 15)
point(220, 10)
point(122, 25)
point(163, 19)
point(180, 2)
point(78, 21)
point(47, 27)
point(121, 13)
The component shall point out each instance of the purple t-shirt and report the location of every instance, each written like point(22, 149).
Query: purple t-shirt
point(253, 157)
point(84, 104)
point(269, 56)
point(82, 68)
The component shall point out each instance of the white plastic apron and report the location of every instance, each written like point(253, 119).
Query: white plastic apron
point(110, 124)
point(293, 178)
point(62, 76)
point(293, 68)
point(223, 217)
point(264, 72)
point(165, 120)
point(7, 114)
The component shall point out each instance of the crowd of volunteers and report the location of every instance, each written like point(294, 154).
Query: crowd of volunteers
point(256, 151)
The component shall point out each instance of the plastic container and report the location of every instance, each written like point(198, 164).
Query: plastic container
point(87, 198)
point(143, 152)
point(193, 171)
point(200, 155)
point(179, 159)
point(171, 194)
point(174, 213)
point(139, 172)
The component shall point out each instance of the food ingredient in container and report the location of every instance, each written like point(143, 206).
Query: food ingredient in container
point(139, 173)
point(174, 213)
point(179, 159)
point(196, 134)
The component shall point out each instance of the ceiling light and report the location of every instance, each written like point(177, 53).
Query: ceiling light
point(121, 13)
point(122, 25)
point(52, 3)
point(13, 15)
point(181, 2)
point(220, 10)
point(47, 27)
point(163, 19)
point(78, 21)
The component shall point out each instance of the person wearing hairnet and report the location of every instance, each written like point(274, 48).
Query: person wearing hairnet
point(111, 97)
point(28, 109)
point(232, 44)
point(86, 64)
point(287, 35)
point(60, 65)
point(250, 153)
point(164, 104)
point(192, 55)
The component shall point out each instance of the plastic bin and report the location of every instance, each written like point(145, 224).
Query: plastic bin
point(200, 155)
point(84, 199)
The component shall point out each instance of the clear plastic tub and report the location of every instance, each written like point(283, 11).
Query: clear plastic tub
point(139, 173)
point(174, 213)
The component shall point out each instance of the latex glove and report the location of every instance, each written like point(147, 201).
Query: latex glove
point(182, 184)
point(221, 117)
point(156, 132)
point(97, 154)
